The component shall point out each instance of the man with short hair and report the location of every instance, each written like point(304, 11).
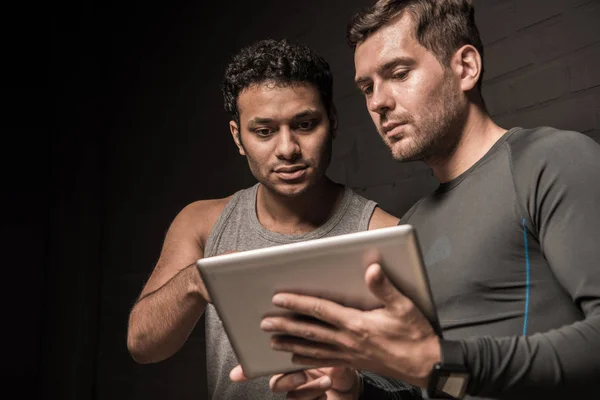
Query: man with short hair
point(510, 236)
point(283, 121)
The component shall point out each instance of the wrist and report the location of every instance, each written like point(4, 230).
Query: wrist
point(430, 356)
point(359, 384)
point(449, 377)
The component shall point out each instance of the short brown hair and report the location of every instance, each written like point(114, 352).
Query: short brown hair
point(441, 26)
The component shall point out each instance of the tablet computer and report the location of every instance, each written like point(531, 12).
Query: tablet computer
point(241, 285)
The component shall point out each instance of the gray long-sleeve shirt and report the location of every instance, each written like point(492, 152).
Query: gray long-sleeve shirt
point(512, 248)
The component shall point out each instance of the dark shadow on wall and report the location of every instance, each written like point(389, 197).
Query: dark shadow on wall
point(116, 117)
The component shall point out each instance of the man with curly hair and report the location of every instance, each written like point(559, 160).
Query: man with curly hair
point(283, 121)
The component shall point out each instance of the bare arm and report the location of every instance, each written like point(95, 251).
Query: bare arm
point(174, 297)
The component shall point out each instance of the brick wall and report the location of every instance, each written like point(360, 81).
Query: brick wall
point(543, 63)
point(169, 144)
point(542, 67)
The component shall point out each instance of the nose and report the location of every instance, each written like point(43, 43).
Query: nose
point(381, 100)
point(288, 147)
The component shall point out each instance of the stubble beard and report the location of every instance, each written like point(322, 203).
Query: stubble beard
point(437, 133)
point(291, 190)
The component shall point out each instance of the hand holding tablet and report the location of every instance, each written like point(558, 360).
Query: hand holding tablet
point(242, 285)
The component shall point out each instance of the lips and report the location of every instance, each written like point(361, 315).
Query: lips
point(292, 172)
point(390, 126)
point(393, 130)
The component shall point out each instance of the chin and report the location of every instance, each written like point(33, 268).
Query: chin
point(290, 189)
point(404, 154)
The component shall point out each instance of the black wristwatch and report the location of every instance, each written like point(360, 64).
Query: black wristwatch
point(449, 378)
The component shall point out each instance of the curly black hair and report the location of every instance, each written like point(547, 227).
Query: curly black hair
point(280, 62)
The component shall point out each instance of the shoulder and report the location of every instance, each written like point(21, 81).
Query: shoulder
point(378, 218)
point(547, 142)
point(551, 167)
point(382, 219)
point(550, 152)
point(204, 210)
point(199, 217)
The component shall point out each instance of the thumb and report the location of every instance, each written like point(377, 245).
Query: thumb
point(380, 285)
point(237, 374)
point(343, 379)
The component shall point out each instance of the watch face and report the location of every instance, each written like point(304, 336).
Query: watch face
point(454, 384)
point(448, 382)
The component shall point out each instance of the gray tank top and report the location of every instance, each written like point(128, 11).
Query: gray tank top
point(238, 229)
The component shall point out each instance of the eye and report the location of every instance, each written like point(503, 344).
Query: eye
point(306, 125)
point(263, 132)
point(401, 75)
point(367, 90)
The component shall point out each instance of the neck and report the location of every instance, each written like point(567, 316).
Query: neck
point(300, 214)
point(476, 136)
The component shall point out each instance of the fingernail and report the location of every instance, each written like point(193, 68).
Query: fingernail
point(276, 346)
point(278, 300)
point(298, 379)
point(325, 382)
point(379, 277)
point(266, 325)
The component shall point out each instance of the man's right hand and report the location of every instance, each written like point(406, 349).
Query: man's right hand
point(331, 383)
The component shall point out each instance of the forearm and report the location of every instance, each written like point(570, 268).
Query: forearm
point(161, 321)
point(558, 199)
point(384, 388)
point(560, 362)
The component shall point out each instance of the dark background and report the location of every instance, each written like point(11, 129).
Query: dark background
point(113, 121)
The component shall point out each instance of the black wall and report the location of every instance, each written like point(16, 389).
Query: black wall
point(113, 121)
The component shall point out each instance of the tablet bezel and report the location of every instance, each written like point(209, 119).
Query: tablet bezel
point(248, 272)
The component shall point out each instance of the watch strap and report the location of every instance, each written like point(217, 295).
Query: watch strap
point(452, 353)
point(449, 378)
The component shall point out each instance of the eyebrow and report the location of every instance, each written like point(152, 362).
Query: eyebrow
point(407, 61)
point(258, 121)
point(307, 113)
point(254, 122)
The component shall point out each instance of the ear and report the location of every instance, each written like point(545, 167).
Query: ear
point(333, 120)
point(235, 132)
point(467, 66)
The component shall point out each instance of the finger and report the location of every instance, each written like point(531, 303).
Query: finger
point(316, 390)
point(287, 382)
point(298, 384)
point(237, 374)
point(321, 364)
point(321, 309)
point(307, 348)
point(343, 378)
point(307, 396)
point(381, 287)
point(314, 330)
